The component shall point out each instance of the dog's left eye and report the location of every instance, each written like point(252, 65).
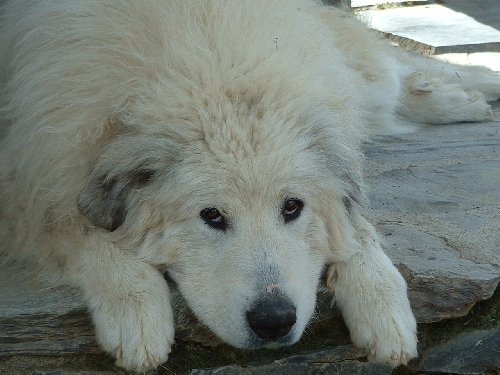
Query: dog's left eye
point(213, 218)
point(291, 209)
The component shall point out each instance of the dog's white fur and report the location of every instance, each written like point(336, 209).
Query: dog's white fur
point(128, 118)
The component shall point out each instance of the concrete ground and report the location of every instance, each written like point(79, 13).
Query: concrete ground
point(462, 31)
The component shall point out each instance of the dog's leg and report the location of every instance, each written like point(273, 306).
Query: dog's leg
point(475, 78)
point(471, 77)
point(130, 305)
point(436, 92)
point(373, 299)
point(433, 100)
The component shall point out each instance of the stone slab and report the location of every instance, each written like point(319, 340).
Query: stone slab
point(18, 294)
point(484, 11)
point(434, 29)
point(39, 320)
point(335, 361)
point(338, 368)
point(435, 200)
point(471, 353)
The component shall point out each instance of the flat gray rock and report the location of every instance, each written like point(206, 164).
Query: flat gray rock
point(38, 320)
point(338, 368)
point(471, 353)
point(435, 198)
point(336, 361)
point(438, 28)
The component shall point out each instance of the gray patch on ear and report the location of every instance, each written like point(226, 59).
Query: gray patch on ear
point(104, 201)
point(348, 203)
point(127, 164)
point(354, 195)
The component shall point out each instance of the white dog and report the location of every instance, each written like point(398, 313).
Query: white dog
point(218, 141)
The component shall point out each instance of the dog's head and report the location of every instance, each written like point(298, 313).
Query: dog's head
point(244, 210)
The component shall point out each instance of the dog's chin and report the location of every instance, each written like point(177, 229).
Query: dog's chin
point(258, 343)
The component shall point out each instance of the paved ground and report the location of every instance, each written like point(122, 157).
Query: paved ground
point(463, 31)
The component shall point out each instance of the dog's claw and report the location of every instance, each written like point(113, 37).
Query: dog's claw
point(118, 352)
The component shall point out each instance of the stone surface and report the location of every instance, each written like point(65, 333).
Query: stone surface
point(336, 361)
point(338, 368)
point(435, 201)
point(490, 60)
point(38, 320)
point(415, 31)
point(471, 353)
point(436, 28)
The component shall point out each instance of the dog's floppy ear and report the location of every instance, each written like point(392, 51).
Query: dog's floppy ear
point(126, 165)
point(353, 194)
point(104, 201)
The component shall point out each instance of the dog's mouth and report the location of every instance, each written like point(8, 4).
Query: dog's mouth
point(258, 343)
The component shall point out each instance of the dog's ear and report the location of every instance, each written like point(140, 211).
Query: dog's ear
point(126, 165)
point(104, 201)
point(354, 195)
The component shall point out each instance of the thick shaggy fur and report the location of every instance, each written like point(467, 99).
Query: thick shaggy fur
point(129, 118)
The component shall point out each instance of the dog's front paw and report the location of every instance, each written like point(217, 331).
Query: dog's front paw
point(389, 332)
point(137, 329)
point(376, 310)
point(396, 344)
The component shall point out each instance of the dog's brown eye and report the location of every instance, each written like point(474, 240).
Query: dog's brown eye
point(291, 209)
point(214, 218)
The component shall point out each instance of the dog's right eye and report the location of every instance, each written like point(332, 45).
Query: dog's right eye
point(214, 218)
point(291, 209)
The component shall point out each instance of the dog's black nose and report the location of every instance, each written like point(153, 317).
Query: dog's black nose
point(272, 317)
